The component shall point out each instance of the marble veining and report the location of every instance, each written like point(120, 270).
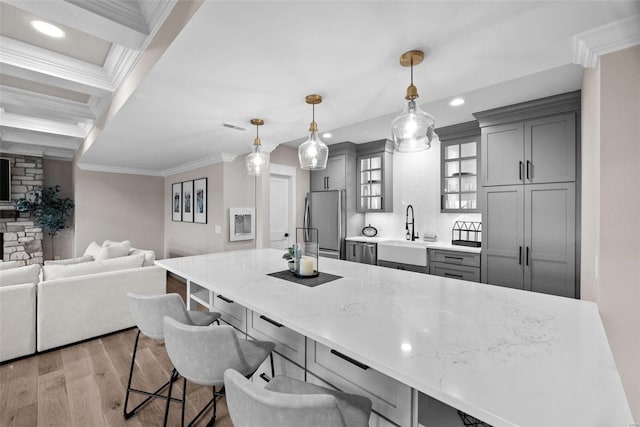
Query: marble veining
point(506, 356)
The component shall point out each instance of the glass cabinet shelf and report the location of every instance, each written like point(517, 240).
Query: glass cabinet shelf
point(459, 168)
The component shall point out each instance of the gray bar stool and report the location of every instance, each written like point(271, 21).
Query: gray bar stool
point(287, 402)
point(201, 355)
point(148, 311)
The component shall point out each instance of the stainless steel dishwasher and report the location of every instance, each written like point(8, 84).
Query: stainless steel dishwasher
point(363, 252)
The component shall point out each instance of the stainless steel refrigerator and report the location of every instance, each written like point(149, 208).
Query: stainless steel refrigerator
point(326, 211)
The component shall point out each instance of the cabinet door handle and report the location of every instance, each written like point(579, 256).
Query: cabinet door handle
point(354, 250)
point(519, 255)
point(225, 299)
point(457, 276)
point(273, 322)
point(520, 169)
point(527, 258)
point(265, 377)
point(328, 183)
point(442, 202)
point(528, 165)
point(350, 360)
point(446, 257)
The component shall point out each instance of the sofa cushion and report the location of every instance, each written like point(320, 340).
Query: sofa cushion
point(9, 264)
point(70, 261)
point(112, 249)
point(52, 272)
point(93, 249)
point(149, 256)
point(20, 275)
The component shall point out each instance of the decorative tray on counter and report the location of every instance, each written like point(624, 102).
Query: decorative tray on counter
point(467, 233)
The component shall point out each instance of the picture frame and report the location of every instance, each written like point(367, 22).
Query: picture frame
point(187, 201)
point(200, 200)
point(242, 224)
point(176, 202)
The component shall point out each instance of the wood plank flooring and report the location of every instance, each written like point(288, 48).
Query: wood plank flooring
point(84, 385)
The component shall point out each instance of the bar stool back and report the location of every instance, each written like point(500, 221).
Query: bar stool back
point(201, 355)
point(148, 311)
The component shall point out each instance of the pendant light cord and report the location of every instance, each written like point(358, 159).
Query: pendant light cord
point(412, 71)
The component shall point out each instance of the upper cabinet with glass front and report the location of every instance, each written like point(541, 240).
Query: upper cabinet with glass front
point(460, 149)
point(375, 176)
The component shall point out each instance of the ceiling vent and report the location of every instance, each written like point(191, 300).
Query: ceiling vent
point(234, 127)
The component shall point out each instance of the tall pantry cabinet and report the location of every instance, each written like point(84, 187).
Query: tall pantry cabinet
point(528, 197)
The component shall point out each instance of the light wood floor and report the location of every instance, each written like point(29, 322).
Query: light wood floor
point(84, 385)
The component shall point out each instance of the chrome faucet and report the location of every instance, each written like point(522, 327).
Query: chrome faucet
point(411, 236)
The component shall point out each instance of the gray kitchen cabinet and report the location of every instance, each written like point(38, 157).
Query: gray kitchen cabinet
point(529, 237)
point(375, 177)
point(459, 155)
point(530, 143)
point(362, 252)
point(454, 264)
point(333, 177)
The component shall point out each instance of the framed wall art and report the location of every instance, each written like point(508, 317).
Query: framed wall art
point(200, 204)
point(242, 224)
point(187, 201)
point(176, 201)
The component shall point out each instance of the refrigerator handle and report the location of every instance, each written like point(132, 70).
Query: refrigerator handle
point(341, 193)
point(305, 219)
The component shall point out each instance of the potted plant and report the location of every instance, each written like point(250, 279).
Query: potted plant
point(50, 211)
point(289, 256)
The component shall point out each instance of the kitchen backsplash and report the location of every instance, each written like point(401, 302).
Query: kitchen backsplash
point(416, 181)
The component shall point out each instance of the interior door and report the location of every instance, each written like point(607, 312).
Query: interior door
point(503, 236)
point(279, 212)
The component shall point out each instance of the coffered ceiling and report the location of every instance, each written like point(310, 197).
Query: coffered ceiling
point(235, 60)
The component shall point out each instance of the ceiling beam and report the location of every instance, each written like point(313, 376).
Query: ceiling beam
point(105, 20)
point(25, 150)
point(18, 136)
point(30, 62)
point(34, 124)
point(28, 103)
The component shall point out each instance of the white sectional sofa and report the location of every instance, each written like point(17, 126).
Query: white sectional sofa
point(73, 300)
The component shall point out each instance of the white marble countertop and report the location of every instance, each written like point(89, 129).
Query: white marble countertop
point(428, 245)
point(505, 356)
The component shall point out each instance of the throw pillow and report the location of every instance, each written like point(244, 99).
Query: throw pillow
point(20, 275)
point(113, 250)
point(9, 264)
point(70, 261)
point(93, 249)
point(52, 272)
point(149, 256)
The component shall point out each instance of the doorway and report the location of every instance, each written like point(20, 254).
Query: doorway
point(282, 206)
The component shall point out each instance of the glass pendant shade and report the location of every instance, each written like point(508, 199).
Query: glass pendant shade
point(257, 162)
point(313, 153)
point(413, 130)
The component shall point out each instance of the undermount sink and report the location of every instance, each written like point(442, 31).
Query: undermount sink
point(403, 251)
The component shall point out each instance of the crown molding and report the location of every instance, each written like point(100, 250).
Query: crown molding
point(92, 167)
point(591, 45)
point(462, 130)
point(206, 161)
point(47, 153)
point(26, 102)
point(41, 65)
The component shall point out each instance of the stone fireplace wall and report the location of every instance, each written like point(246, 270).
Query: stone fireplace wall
point(22, 238)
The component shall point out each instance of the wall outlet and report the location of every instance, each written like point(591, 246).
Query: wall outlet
point(218, 229)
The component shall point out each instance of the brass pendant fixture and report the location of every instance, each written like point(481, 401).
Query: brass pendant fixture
point(414, 129)
point(313, 153)
point(257, 162)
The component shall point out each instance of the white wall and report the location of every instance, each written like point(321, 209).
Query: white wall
point(416, 181)
point(117, 207)
point(619, 281)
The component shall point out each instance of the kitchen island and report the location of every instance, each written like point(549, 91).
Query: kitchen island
point(505, 356)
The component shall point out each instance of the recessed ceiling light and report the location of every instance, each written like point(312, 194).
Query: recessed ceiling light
point(47, 29)
point(327, 135)
point(456, 101)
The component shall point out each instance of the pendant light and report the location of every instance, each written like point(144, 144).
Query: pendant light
point(313, 152)
point(257, 162)
point(412, 130)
